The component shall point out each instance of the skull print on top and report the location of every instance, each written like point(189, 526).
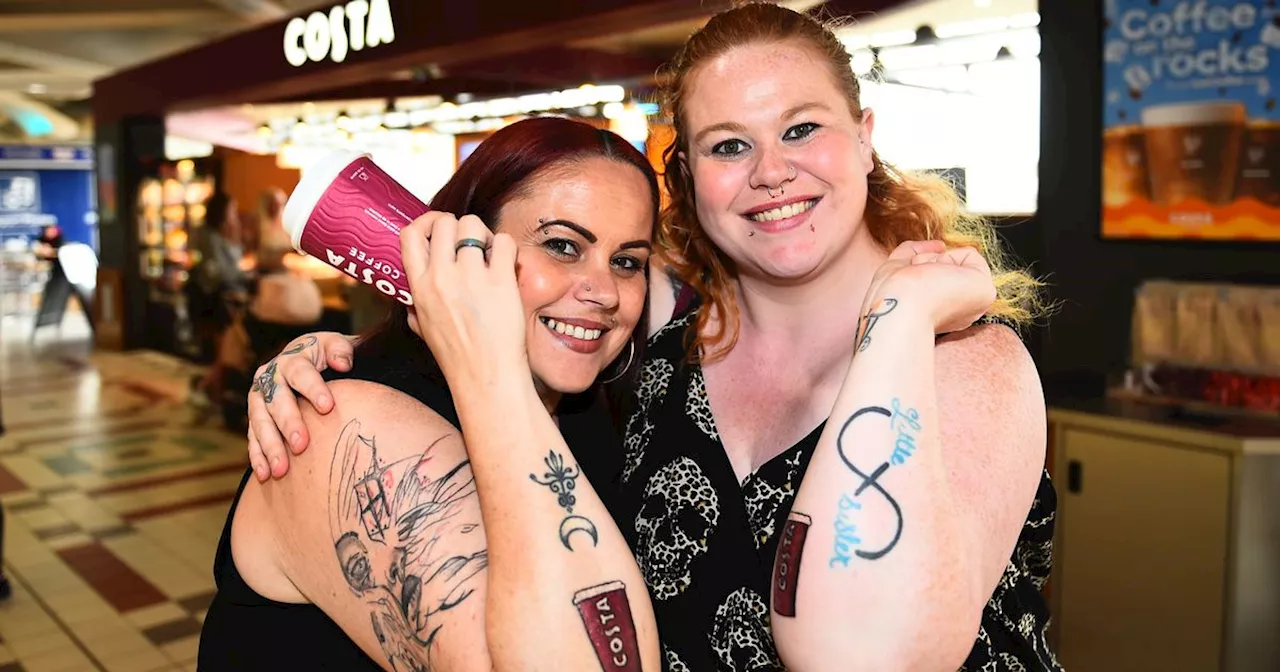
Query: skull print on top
point(706, 544)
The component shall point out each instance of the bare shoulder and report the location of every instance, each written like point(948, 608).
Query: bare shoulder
point(988, 358)
point(379, 525)
point(988, 385)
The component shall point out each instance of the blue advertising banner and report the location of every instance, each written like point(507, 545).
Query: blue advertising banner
point(1191, 140)
point(33, 199)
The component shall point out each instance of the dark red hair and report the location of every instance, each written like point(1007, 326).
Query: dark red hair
point(500, 170)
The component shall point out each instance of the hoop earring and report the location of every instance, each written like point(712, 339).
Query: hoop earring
point(630, 357)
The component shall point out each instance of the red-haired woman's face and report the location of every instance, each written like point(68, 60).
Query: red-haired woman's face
point(584, 234)
point(779, 163)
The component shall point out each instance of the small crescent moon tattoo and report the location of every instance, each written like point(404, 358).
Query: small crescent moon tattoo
point(573, 524)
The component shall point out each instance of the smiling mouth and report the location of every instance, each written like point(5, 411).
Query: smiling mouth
point(572, 331)
point(783, 212)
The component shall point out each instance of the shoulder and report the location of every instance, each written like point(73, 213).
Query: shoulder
point(988, 383)
point(987, 357)
point(383, 504)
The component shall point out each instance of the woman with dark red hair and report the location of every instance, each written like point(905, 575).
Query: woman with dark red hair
point(375, 553)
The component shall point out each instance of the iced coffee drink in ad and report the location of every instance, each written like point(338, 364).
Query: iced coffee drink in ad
point(348, 213)
point(1124, 165)
point(1260, 162)
point(1193, 151)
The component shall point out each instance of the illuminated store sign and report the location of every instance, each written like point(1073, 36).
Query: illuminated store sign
point(350, 27)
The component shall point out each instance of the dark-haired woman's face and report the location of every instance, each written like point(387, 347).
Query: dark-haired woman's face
point(584, 233)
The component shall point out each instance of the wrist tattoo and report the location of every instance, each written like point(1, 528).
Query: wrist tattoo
point(562, 480)
point(868, 322)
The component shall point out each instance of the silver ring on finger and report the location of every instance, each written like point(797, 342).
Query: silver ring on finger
point(471, 242)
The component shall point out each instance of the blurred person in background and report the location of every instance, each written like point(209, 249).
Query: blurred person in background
point(219, 279)
point(284, 304)
point(46, 246)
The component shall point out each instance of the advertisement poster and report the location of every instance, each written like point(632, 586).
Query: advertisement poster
point(1191, 127)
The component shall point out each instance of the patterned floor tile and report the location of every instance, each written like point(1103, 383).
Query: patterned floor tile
point(115, 492)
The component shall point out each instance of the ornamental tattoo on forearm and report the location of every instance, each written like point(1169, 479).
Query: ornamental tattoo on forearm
point(562, 480)
point(407, 540)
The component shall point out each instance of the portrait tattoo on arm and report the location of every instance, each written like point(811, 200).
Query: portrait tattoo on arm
point(606, 614)
point(406, 539)
point(562, 480)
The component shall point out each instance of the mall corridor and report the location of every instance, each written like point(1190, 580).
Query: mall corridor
point(114, 492)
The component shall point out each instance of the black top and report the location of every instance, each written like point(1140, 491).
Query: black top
point(706, 544)
point(245, 631)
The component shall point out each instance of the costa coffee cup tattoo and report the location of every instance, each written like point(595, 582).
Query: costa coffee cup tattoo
point(606, 613)
point(348, 213)
point(786, 568)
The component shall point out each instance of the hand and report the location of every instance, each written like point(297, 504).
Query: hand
point(273, 410)
point(466, 304)
point(953, 285)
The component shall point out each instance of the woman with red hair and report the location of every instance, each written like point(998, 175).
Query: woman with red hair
point(829, 465)
point(376, 552)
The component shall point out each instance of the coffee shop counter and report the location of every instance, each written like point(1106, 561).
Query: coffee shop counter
point(1167, 543)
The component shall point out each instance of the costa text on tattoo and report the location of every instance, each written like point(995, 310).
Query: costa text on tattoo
point(606, 614)
point(786, 567)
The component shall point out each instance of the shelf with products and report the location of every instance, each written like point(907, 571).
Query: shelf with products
point(170, 213)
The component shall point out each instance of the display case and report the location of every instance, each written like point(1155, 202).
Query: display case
point(170, 217)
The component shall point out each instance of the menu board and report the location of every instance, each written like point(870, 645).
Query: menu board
point(1191, 139)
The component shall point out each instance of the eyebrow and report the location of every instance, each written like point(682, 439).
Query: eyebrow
point(591, 237)
point(735, 127)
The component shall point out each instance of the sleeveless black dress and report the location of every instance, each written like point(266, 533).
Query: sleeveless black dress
point(244, 631)
point(706, 544)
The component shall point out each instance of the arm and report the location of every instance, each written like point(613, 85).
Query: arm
point(380, 527)
point(908, 532)
point(572, 597)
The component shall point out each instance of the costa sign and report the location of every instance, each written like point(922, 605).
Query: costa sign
point(353, 26)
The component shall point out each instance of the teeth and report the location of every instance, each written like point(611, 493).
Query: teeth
point(790, 210)
point(570, 330)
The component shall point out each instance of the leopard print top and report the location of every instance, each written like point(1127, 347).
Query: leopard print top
point(706, 543)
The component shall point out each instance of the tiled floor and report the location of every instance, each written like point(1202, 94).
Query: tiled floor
point(114, 492)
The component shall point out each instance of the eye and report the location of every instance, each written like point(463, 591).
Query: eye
point(729, 148)
point(628, 264)
point(561, 247)
point(800, 131)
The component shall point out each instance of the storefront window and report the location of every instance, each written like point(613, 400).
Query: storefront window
point(969, 103)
